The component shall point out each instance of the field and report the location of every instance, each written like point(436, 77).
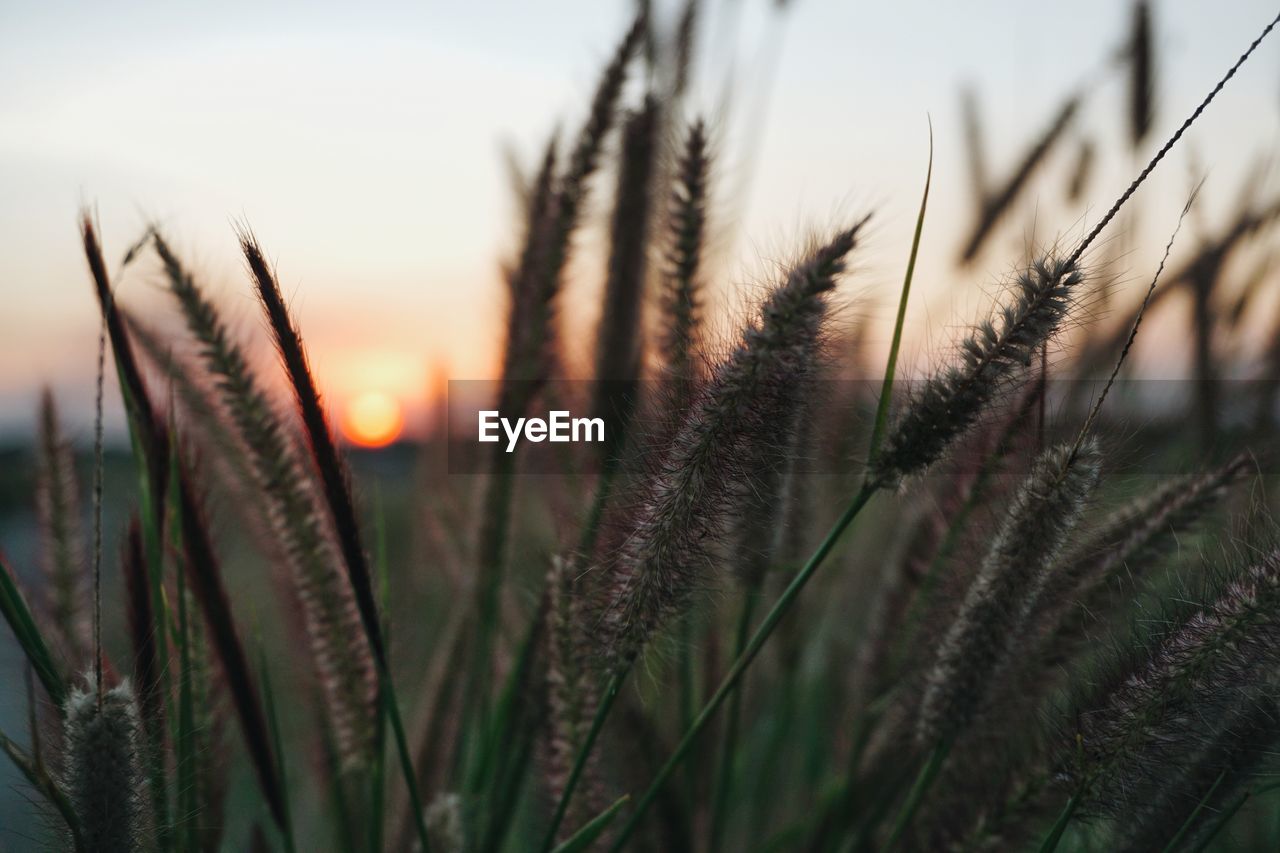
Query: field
point(799, 597)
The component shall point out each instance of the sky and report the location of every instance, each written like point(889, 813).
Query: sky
point(365, 145)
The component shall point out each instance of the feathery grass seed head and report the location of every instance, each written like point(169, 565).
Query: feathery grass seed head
point(664, 556)
point(992, 355)
point(61, 539)
point(341, 652)
point(999, 603)
point(682, 288)
point(1222, 653)
point(102, 772)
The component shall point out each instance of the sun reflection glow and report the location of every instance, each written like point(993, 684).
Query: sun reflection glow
point(372, 419)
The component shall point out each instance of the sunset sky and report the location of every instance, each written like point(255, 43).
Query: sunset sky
point(363, 142)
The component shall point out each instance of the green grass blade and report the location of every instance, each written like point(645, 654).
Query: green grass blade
point(388, 695)
point(277, 742)
point(891, 364)
point(509, 744)
point(43, 782)
point(506, 711)
point(1229, 812)
point(340, 809)
point(1059, 827)
point(729, 749)
point(506, 790)
point(585, 837)
point(1177, 839)
point(928, 775)
point(16, 612)
point(187, 828)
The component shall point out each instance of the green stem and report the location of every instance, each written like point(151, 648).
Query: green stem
point(493, 547)
point(1051, 840)
point(277, 742)
point(402, 749)
point(584, 752)
point(40, 779)
point(591, 529)
point(1191, 818)
point(928, 775)
point(838, 814)
point(1229, 812)
point(886, 387)
point(724, 774)
point(730, 682)
point(507, 787)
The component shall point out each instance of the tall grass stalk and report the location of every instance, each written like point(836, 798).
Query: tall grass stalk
point(342, 656)
point(17, 613)
point(337, 490)
point(731, 425)
point(920, 787)
point(527, 362)
point(729, 748)
point(608, 695)
point(891, 361)
point(62, 545)
point(1047, 298)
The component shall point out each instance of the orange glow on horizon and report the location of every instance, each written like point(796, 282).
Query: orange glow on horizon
point(373, 419)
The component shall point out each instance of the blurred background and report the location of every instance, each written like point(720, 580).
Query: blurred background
point(374, 148)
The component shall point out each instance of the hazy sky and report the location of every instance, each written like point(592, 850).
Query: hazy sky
point(363, 142)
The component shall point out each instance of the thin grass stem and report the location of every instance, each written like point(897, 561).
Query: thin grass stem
point(724, 774)
point(611, 690)
point(1195, 813)
point(891, 364)
point(1059, 827)
point(919, 789)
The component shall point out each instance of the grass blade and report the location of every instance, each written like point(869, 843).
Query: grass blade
point(16, 612)
point(205, 575)
point(891, 363)
point(585, 837)
point(42, 782)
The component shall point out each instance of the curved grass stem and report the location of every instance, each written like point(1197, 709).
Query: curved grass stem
point(724, 773)
point(891, 364)
point(1195, 813)
point(924, 781)
point(1059, 827)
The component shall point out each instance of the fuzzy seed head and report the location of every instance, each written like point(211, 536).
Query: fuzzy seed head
point(444, 823)
point(681, 286)
point(733, 421)
point(1222, 654)
point(997, 607)
point(994, 353)
point(341, 653)
point(103, 768)
point(61, 539)
point(1130, 541)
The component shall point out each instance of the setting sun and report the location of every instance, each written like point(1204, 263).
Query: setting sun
point(373, 419)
